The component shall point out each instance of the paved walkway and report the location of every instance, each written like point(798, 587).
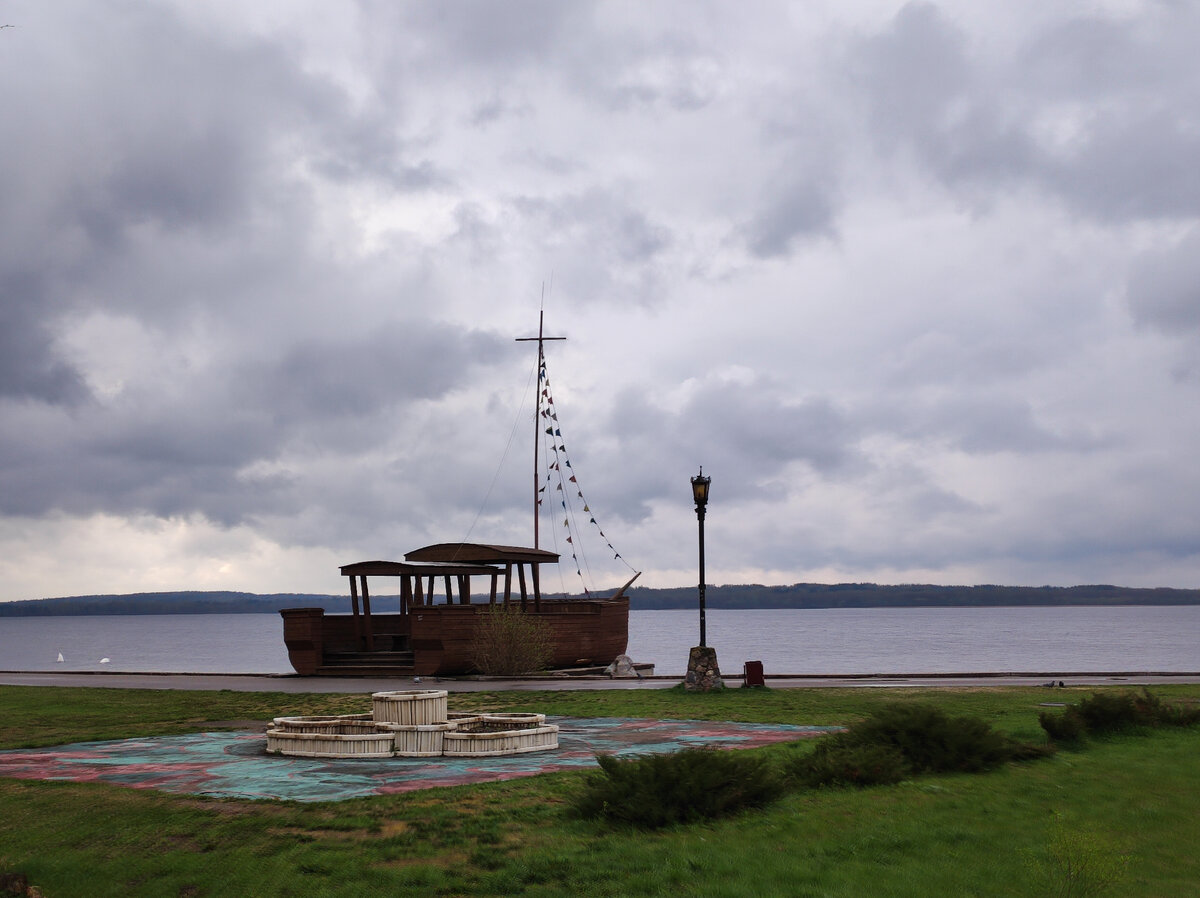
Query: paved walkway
point(261, 683)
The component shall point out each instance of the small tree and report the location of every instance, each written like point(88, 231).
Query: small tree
point(509, 642)
point(1078, 863)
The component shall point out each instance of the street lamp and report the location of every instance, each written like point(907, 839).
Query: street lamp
point(700, 495)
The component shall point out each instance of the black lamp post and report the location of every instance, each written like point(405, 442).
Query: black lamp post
point(700, 495)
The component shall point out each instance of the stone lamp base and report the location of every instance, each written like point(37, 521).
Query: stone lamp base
point(703, 675)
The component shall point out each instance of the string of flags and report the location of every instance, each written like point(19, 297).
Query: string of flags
point(560, 473)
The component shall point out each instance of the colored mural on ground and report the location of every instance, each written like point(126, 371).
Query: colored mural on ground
point(236, 765)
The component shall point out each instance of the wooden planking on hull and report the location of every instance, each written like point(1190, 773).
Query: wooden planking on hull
point(440, 638)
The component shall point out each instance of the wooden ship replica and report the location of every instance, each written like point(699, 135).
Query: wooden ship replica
point(429, 638)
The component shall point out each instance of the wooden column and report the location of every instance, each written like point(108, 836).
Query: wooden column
point(524, 592)
point(354, 607)
point(368, 630)
point(535, 569)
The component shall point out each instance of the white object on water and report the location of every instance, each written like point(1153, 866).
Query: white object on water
point(104, 661)
point(60, 657)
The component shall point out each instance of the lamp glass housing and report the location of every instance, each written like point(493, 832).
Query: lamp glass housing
point(700, 489)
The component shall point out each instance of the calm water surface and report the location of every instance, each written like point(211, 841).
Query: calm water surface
point(818, 641)
point(928, 640)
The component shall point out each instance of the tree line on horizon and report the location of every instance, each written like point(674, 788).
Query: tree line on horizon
point(797, 595)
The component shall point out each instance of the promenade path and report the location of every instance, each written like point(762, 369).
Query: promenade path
point(291, 683)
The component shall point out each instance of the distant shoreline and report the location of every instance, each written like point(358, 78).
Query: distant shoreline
point(796, 596)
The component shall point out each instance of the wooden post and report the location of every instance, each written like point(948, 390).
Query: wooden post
point(524, 592)
point(406, 593)
point(537, 586)
point(354, 607)
point(507, 582)
point(367, 628)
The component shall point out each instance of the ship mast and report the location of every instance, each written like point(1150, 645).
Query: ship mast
point(541, 338)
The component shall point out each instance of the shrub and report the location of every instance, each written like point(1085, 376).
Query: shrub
point(834, 763)
point(509, 642)
point(1067, 726)
point(692, 785)
point(904, 739)
point(1115, 712)
point(1112, 712)
point(1078, 864)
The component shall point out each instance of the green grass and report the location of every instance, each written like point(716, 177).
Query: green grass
point(992, 834)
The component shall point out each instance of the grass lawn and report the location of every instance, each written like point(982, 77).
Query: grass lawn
point(1123, 806)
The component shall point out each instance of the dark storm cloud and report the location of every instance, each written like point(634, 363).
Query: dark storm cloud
point(749, 431)
point(638, 59)
point(925, 96)
point(799, 210)
point(392, 365)
point(913, 72)
point(107, 147)
point(180, 134)
point(496, 36)
point(254, 264)
point(1093, 111)
point(29, 367)
point(979, 424)
point(625, 243)
point(1134, 166)
point(1164, 288)
point(187, 449)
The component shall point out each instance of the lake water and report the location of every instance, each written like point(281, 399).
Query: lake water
point(816, 641)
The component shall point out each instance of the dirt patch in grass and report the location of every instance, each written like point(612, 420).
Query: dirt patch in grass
point(445, 860)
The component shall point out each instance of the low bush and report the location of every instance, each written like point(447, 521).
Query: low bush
point(1065, 727)
point(687, 786)
point(1115, 712)
point(834, 763)
point(1112, 712)
point(905, 739)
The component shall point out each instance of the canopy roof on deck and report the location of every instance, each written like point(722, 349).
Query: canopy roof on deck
point(478, 553)
point(401, 568)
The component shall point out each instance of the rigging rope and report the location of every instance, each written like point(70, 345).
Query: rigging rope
point(561, 473)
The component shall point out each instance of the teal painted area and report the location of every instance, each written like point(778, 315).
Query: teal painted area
point(236, 765)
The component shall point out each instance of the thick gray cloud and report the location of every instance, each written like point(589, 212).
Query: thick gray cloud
point(1164, 288)
point(914, 282)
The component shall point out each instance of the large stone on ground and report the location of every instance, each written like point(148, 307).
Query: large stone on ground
point(622, 667)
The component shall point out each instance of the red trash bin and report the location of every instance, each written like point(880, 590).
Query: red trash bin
point(752, 673)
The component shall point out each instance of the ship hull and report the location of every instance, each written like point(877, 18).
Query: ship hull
point(437, 640)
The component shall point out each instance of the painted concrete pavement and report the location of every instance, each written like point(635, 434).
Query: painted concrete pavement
point(236, 765)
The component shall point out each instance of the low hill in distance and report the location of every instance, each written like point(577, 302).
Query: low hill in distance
point(799, 595)
point(172, 603)
point(871, 595)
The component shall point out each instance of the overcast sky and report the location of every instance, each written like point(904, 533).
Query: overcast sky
point(917, 284)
